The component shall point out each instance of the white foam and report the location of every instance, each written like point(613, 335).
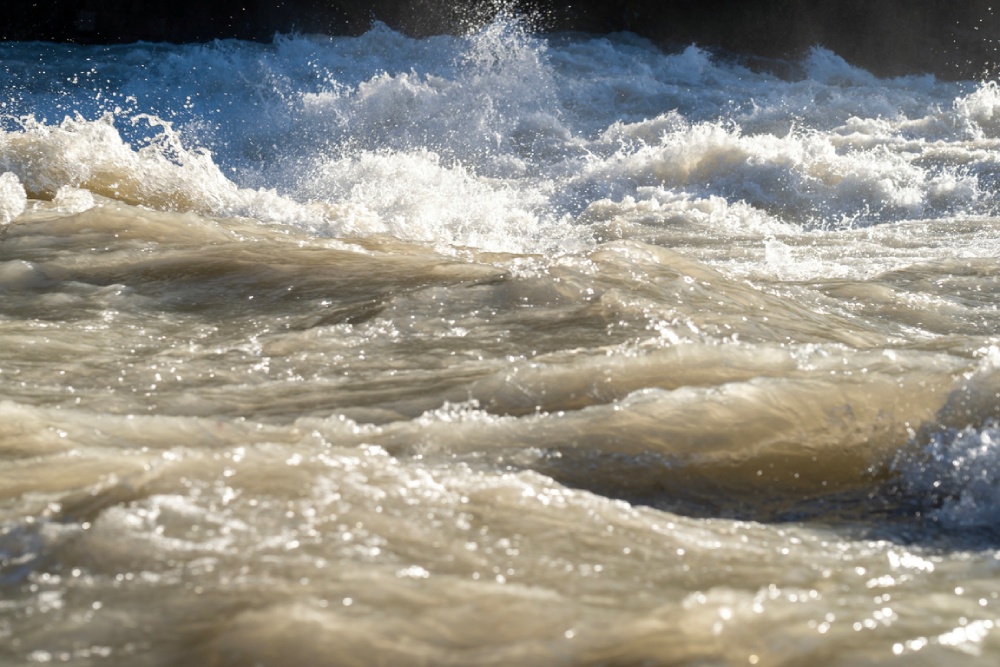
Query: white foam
point(981, 107)
point(824, 66)
point(959, 471)
point(74, 200)
point(13, 199)
point(954, 463)
point(498, 139)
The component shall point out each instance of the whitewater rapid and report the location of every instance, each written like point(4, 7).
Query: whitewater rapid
point(492, 349)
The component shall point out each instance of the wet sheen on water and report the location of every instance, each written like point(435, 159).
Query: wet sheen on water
point(494, 349)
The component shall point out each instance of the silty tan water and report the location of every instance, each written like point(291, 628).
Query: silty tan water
point(494, 349)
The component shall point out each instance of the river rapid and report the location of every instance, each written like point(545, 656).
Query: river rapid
point(495, 349)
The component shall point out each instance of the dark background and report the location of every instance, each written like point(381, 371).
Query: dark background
point(950, 38)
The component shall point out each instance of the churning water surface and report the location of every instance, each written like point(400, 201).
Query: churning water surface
point(494, 349)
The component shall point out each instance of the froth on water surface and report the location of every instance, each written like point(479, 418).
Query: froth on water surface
point(494, 349)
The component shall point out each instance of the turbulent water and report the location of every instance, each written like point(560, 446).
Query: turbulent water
point(495, 349)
